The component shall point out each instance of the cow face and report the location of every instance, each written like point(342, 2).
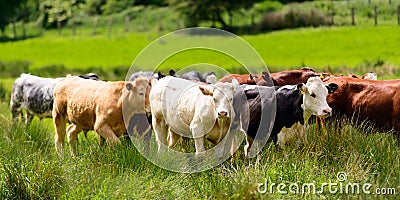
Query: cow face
point(222, 94)
point(314, 98)
point(210, 77)
point(138, 93)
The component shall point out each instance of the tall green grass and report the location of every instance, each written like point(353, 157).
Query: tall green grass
point(30, 167)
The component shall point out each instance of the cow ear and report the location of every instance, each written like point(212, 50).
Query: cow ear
point(172, 72)
point(332, 87)
point(302, 88)
point(129, 86)
point(206, 90)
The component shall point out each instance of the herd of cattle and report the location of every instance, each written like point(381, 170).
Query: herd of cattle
point(276, 106)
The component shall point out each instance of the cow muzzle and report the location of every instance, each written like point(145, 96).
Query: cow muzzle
point(327, 112)
point(222, 114)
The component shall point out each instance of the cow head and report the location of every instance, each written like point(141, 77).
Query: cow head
point(222, 94)
point(371, 76)
point(137, 93)
point(210, 77)
point(314, 96)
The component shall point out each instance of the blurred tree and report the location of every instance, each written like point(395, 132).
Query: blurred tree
point(115, 6)
point(197, 11)
point(93, 7)
point(151, 2)
point(57, 12)
point(9, 11)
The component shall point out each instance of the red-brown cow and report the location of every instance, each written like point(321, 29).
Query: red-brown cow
point(289, 77)
point(250, 79)
point(374, 100)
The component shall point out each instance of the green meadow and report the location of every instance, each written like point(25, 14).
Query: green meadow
point(326, 48)
point(31, 169)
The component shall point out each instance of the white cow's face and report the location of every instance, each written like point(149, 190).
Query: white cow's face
point(314, 98)
point(222, 94)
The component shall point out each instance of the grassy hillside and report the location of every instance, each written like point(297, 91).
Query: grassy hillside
point(320, 48)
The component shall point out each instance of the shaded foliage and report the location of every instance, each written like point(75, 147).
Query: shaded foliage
point(9, 11)
point(292, 19)
point(209, 10)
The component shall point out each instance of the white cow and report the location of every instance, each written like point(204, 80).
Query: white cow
point(183, 108)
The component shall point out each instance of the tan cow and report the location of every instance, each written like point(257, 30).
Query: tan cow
point(94, 105)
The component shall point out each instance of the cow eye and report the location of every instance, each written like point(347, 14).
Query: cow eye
point(313, 95)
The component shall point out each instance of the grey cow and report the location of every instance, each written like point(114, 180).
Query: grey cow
point(208, 77)
point(35, 95)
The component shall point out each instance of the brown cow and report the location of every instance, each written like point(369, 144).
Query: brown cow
point(90, 105)
point(370, 75)
point(374, 100)
point(289, 77)
point(250, 79)
point(292, 77)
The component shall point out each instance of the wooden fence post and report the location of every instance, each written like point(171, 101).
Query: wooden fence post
point(398, 14)
point(95, 21)
point(73, 27)
point(332, 16)
point(110, 22)
point(160, 25)
point(127, 20)
point(376, 15)
point(178, 24)
point(23, 29)
point(40, 27)
point(59, 26)
point(312, 17)
point(14, 28)
point(144, 23)
point(353, 20)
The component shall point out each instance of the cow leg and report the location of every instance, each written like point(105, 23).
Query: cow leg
point(16, 111)
point(172, 138)
point(199, 145)
point(106, 132)
point(247, 147)
point(59, 123)
point(161, 130)
point(29, 118)
point(72, 138)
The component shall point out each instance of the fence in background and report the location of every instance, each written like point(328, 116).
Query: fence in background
point(339, 13)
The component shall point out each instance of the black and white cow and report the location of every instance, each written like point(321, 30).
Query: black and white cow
point(294, 105)
point(208, 77)
point(151, 75)
point(35, 95)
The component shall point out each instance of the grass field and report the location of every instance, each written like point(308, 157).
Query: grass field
point(30, 167)
point(321, 48)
